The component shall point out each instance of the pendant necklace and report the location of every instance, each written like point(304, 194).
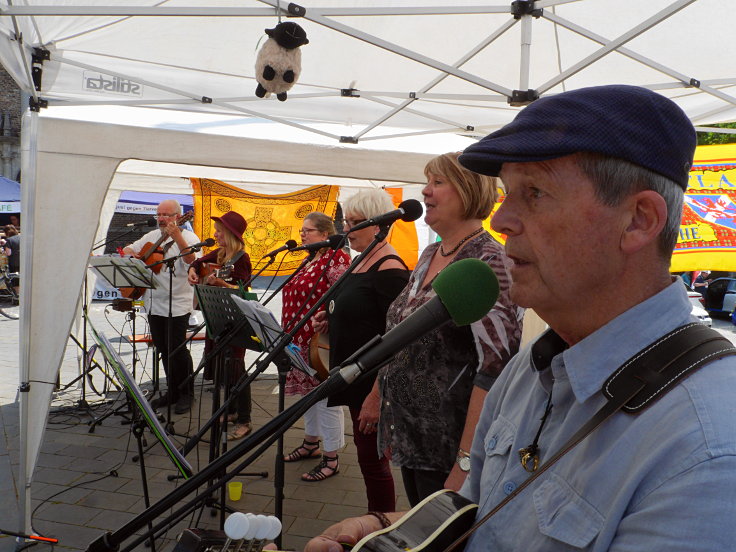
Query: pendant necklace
point(460, 243)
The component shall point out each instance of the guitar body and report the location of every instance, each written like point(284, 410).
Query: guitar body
point(220, 271)
point(431, 526)
point(151, 253)
point(319, 355)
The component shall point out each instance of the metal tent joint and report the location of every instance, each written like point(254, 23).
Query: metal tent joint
point(349, 93)
point(39, 56)
point(695, 83)
point(24, 387)
point(37, 104)
point(520, 8)
point(206, 100)
point(348, 140)
point(295, 10)
point(522, 97)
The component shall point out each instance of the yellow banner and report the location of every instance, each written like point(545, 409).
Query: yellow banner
point(403, 235)
point(272, 219)
point(708, 232)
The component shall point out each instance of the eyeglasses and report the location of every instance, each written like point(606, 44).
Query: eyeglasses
point(166, 214)
point(352, 222)
point(307, 230)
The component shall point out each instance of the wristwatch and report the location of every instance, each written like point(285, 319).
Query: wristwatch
point(463, 460)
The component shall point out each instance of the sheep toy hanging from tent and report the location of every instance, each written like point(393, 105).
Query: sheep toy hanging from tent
point(279, 60)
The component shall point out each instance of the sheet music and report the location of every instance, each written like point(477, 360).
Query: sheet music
point(269, 332)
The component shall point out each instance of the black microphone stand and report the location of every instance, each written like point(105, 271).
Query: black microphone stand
point(289, 278)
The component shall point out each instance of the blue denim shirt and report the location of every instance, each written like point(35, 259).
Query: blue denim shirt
point(663, 479)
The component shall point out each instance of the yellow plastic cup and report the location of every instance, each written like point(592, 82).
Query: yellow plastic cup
point(235, 490)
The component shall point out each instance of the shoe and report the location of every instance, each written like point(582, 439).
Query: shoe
point(239, 431)
point(308, 449)
point(322, 470)
point(161, 400)
point(183, 404)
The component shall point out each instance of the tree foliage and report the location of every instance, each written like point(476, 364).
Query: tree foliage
point(709, 138)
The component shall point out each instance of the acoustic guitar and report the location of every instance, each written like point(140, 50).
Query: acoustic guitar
point(152, 253)
point(319, 355)
point(431, 526)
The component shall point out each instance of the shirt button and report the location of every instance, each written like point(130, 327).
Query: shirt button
point(391, 426)
point(509, 487)
point(388, 403)
point(492, 442)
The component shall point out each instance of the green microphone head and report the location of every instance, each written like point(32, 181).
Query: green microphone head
point(468, 289)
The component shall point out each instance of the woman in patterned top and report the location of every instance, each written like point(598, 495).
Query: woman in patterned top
point(300, 295)
point(431, 393)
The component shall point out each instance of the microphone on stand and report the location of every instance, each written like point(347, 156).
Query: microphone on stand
point(149, 222)
point(334, 242)
point(409, 210)
point(209, 242)
point(466, 291)
point(288, 246)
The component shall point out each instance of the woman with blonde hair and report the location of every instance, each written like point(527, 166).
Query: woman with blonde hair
point(431, 393)
point(236, 264)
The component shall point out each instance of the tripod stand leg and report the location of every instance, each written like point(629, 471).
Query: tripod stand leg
point(138, 432)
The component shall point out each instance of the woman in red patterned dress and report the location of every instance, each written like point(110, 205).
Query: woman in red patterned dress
point(310, 283)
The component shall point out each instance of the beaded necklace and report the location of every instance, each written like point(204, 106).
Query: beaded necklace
point(460, 243)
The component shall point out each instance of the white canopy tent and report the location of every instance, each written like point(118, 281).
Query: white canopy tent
point(420, 66)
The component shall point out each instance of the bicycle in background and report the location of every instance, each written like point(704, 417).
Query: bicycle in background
point(8, 297)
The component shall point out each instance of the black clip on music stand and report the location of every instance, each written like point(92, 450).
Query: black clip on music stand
point(226, 325)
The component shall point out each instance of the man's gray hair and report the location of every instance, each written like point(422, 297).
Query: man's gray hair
point(615, 179)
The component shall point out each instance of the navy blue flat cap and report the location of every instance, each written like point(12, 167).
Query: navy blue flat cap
point(627, 122)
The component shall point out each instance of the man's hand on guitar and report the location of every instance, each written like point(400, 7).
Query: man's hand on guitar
point(349, 532)
point(192, 277)
point(172, 229)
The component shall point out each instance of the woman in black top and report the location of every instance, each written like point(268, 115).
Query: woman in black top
point(354, 316)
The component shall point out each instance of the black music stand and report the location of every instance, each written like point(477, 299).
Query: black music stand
point(226, 325)
point(122, 272)
point(143, 415)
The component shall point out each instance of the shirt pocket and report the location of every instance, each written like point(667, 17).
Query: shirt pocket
point(564, 515)
point(497, 445)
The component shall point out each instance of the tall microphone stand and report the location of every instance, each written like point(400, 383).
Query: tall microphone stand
point(289, 278)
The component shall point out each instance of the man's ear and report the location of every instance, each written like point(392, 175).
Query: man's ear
point(646, 217)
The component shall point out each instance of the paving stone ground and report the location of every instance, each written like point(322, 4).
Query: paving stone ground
point(89, 482)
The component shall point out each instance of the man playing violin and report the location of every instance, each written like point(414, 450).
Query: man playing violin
point(176, 241)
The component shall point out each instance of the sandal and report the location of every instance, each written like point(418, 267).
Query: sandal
point(239, 431)
point(322, 470)
point(311, 448)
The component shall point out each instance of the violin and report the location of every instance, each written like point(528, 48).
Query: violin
point(151, 253)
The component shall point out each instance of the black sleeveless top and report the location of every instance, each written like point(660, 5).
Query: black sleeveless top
point(357, 314)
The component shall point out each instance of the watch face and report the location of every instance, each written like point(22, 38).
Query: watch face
point(464, 463)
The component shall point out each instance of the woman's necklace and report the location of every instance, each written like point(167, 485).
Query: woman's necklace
point(460, 243)
point(364, 262)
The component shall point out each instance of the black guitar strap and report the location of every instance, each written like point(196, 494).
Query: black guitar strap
point(637, 384)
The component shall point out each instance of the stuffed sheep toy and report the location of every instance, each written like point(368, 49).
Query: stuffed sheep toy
point(279, 60)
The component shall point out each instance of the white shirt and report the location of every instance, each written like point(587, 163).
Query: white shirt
point(182, 297)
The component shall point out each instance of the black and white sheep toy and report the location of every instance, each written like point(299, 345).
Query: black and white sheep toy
point(279, 60)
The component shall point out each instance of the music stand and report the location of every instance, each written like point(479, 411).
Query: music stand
point(226, 326)
point(143, 415)
point(123, 272)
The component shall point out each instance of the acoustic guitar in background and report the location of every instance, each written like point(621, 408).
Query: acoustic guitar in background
point(151, 253)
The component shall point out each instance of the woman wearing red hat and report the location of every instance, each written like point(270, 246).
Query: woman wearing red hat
point(231, 256)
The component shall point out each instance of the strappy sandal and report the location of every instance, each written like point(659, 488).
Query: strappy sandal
point(318, 472)
point(312, 448)
point(239, 431)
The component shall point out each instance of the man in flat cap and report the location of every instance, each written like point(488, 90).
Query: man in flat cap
point(595, 180)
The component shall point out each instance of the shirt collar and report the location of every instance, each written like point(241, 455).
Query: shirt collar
point(591, 361)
